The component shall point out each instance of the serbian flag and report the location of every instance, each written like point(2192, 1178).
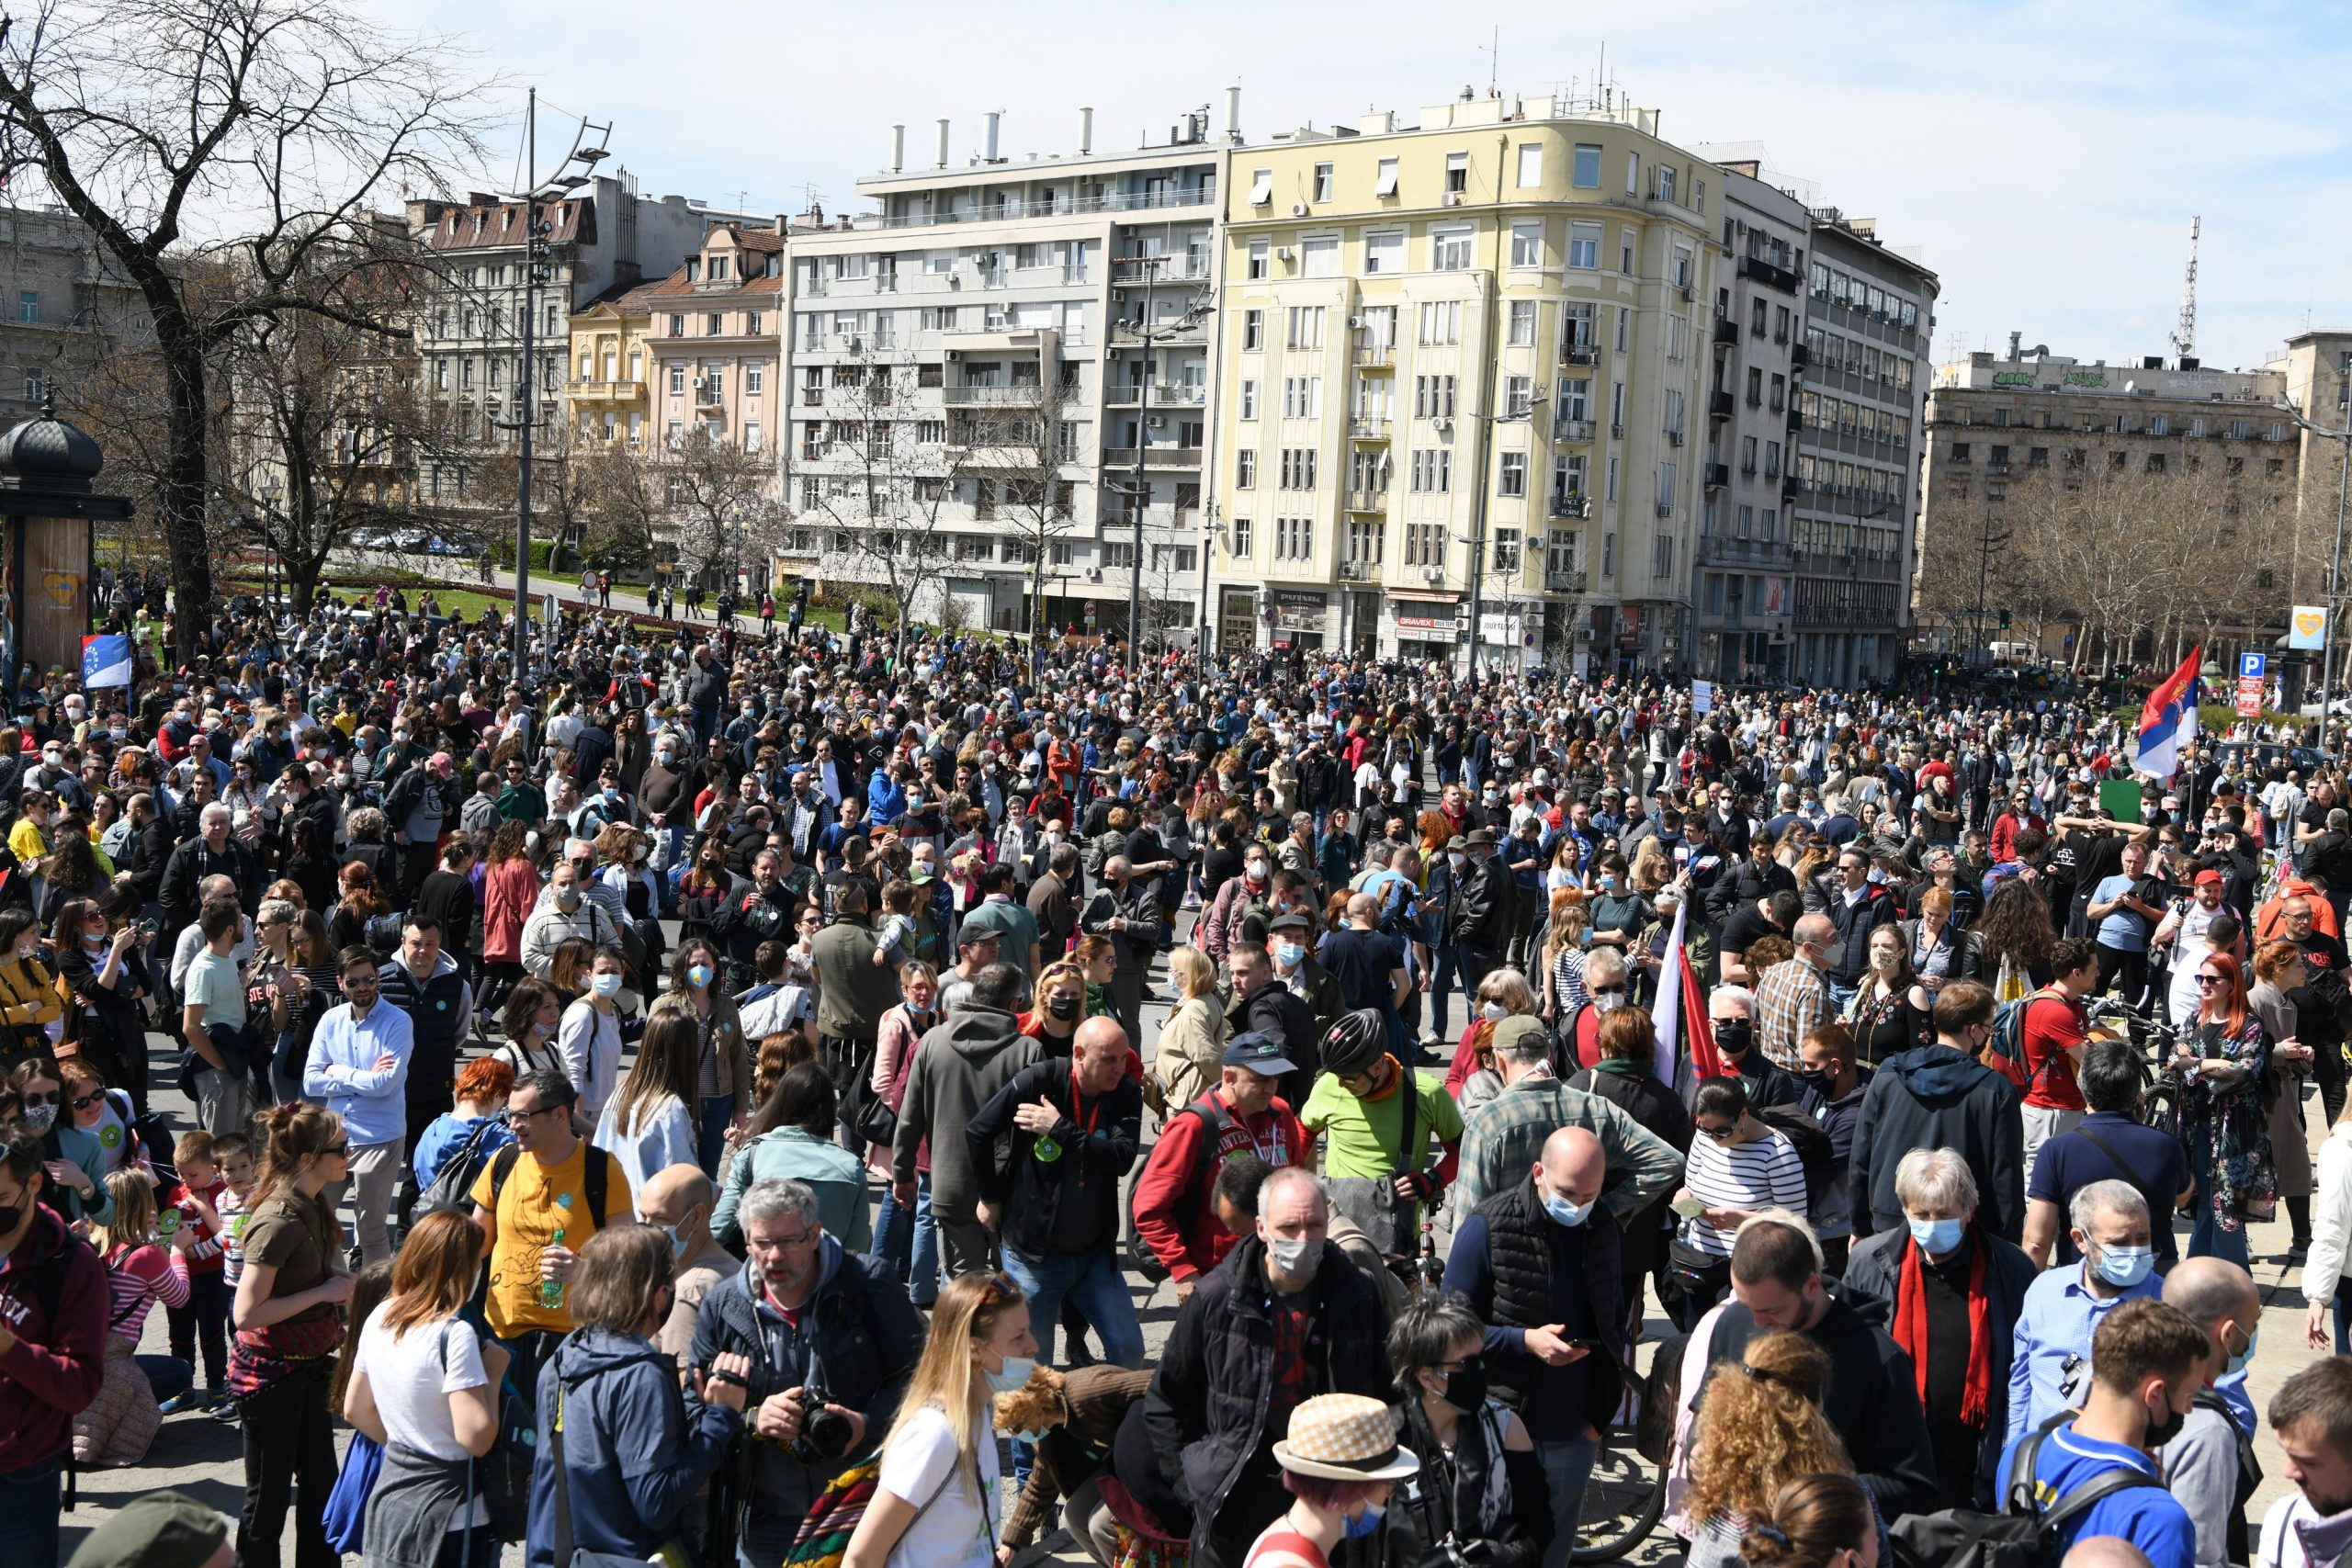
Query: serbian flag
point(106, 660)
point(2168, 724)
point(1682, 1010)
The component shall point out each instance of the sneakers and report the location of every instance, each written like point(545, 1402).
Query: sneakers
point(190, 1399)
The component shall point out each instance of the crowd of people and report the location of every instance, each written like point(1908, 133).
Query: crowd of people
point(693, 1098)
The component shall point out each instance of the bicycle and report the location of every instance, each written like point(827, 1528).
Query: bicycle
point(2161, 1098)
point(1625, 1494)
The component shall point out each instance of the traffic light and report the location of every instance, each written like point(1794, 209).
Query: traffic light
point(2005, 620)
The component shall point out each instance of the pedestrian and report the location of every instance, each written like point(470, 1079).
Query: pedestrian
point(2110, 1143)
point(1378, 1120)
point(1339, 1465)
point(1940, 1096)
point(2201, 1464)
point(789, 1138)
point(2220, 1063)
point(1176, 1194)
point(649, 1125)
point(1076, 1417)
point(2310, 1417)
point(1481, 1484)
point(54, 1302)
point(2063, 1307)
point(1756, 1436)
point(1738, 1167)
point(1506, 1135)
point(961, 1065)
point(357, 1067)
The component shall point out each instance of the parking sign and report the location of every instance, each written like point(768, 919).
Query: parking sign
point(2251, 666)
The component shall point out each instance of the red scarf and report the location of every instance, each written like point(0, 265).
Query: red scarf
point(1911, 1331)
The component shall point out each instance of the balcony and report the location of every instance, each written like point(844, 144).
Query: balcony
point(1164, 395)
point(1719, 406)
point(603, 391)
point(994, 396)
point(1746, 552)
point(1563, 582)
point(1375, 355)
point(1579, 354)
point(1764, 272)
point(1368, 501)
point(1574, 430)
point(1357, 571)
point(1788, 488)
point(1800, 355)
point(1124, 335)
point(1727, 330)
point(1718, 475)
point(1368, 427)
point(709, 394)
point(1153, 456)
point(1564, 506)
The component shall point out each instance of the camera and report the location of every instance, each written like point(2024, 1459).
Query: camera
point(824, 1434)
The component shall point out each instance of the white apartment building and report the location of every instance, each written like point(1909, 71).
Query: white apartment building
point(977, 370)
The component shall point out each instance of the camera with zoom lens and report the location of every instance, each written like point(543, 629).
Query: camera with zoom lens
point(824, 1434)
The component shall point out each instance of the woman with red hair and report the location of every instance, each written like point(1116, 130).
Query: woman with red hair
point(2220, 1060)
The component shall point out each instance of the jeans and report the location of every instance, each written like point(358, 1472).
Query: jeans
point(169, 1376)
point(765, 1538)
point(1841, 994)
point(710, 1147)
point(224, 1101)
point(204, 1321)
point(30, 1510)
point(1443, 983)
point(375, 1170)
point(1568, 1464)
point(289, 1456)
point(1093, 1282)
point(908, 1240)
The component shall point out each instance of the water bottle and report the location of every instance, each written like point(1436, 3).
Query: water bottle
point(551, 1290)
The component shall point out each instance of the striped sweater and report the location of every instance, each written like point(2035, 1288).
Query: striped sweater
point(137, 1278)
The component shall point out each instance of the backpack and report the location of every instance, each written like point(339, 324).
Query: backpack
point(2022, 1535)
point(453, 1184)
point(1814, 1151)
point(2249, 1476)
point(1141, 1259)
point(594, 1180)
point(2005, 1052)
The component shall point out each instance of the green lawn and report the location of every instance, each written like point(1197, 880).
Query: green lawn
point(466, 604)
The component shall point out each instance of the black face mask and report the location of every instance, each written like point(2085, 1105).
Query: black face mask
point(1064, 1008)
point(1732, 1037)
point(1815, 1081)
point(2163, 1431)
point(11, 1216)
point(1466, 1386)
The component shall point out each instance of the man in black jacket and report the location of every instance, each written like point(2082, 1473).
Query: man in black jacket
point(1481, 917)
point(1285, 1317)
point(1940, 1097)
point(1124, 911)
point(1068, 1132)
point(1263, 1003)
point(212, 853)
point(705, 693)
point(306, 836)
point(1871, 1400)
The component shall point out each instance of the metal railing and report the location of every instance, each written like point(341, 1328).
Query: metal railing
point(1116, 201)
point(1563, 582)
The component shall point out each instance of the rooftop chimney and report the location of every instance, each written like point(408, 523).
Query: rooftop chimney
point(942, 161)
point(1085, 131)
point(994, 115)
point(898, 148)
point(1233, 115)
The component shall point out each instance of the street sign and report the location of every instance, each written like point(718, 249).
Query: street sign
point(1090, 615)
point(2250, 666)
point(2307, 627)
point(2250, 693)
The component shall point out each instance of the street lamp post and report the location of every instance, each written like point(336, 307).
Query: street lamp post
point(1478, 509)
point(1212, 535)
point(2334, 596)
point(1149, 334)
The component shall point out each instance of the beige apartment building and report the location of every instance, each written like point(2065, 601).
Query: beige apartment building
point(1460, 372)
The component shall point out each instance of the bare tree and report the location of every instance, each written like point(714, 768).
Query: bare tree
point(292, 111)
point(1026, 479)
point(720, 500)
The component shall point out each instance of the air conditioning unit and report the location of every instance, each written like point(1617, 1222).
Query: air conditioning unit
point(1433, 574)
point(1456, 198)
point(1441, 424)
point(1093, 574)
point(1298, 209)
point(1282, 252)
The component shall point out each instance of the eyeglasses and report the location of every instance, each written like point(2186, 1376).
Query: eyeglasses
point(337, 1151)
point(1721, 1134)
point(2205, 982)
point(87, 1100)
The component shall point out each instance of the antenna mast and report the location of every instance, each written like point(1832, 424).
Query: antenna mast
point(2183, 337)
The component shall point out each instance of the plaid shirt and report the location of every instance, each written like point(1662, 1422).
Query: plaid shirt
point(1505, 1137)
point(1791, 1001)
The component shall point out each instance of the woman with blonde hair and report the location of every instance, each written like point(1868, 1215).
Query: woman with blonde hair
point(934, 1502)
point(1060, 997)
point(1189, 1059)
point(1473, 1080)
point(145, 1264)
point(1759, 1429)
point(1562, 977)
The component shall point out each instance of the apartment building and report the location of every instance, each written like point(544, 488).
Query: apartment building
point(1005, 360)
point(1460, 371)
point(606, 393)
point(1869, 313)
point(1744, 563)
point(470, 327)
point(1998, 422)
point(63, 307)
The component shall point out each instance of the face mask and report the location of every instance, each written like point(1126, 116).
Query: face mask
point(39, 1117)
point(2161, 1432)
point(1565, 1213)
point(677, 1234)
point(1937, 1238)
point(605, 984)
point(1289, 954)
point(1814, 1079)
point(1608, 1001)
point(1456, 858)
point(1833, 955)
point(1733, 1035)
point(1466, 1386)
point(2126, 1266)
point(1361, 1525)
point(698, 975)
point(1294, 1260)
point(1015, 1375)
point(566, 899)
point(1257, 873)
point(2238, 1362)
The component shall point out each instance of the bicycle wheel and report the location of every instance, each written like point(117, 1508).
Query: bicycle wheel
point(1622, 1501)
point(2160, 1106)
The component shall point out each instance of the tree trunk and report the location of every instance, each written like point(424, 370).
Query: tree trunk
point(186, 467)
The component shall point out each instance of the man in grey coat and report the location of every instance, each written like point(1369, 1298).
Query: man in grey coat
point(958, 1067)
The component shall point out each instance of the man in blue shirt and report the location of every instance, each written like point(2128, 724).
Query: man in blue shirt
point(359, 1068)
point(2147, 1361)
point(2065, 1307)
point(2110, 1143)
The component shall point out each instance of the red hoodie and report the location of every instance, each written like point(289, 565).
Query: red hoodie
point(51, 1372)
point(1175, 1211)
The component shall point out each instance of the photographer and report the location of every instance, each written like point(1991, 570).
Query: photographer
point(831, 1339)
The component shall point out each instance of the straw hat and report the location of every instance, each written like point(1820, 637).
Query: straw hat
point(1344, 1437)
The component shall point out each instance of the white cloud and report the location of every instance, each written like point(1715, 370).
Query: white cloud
point(2043, 159)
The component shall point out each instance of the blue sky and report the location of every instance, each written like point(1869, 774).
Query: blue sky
point(2044, 159)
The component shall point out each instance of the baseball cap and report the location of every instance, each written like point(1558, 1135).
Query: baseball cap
point(2210, 874)
point(160, 1530)
point(1515, 1028)
point(1260, 1052)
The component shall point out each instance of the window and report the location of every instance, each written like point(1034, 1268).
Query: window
point(1260, 251)
point(1305, 327)
point(1526, 242)
point(1633, 174)
point(756, 379)
point(1384, 252)
point(1293, 539)
point(931, 432)
point(1507, 550)
point(2156, 462)
point(1530, 164)
point(1384, 183)
point(1301, 396)
point(1611, 494)
point(1519, 396)
point(1433, 397)
point(677, 380)
point(1665, 172)
point(1584, 245)
point(1319, 257)
point(1512, 480)
point(1240, 536)
point(28, 305)
point(751, 435)
point(1457, 173)
point(1625, 252)
point(1322, 182)
point(1576, 398)
point(1519, 327)
point(1249, 400)
point(36, 384)
point(1665, 488)
point(752, 322)
point(1298, 467)
point(1585, 173)
point(1662, 557)
point(1245, 470)
point(1261, 187)
point(1253, 331)
point(1441, 322)
point(2037, 457)
point(1450, 250)
point(1608, 555)
point(1365, 541)
point(677, 326)
point(1431, 471)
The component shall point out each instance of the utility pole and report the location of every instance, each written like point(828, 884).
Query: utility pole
point(533, 248)
point(1141, 498)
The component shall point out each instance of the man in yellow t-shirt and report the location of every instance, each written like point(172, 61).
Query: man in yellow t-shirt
point(538, 1217)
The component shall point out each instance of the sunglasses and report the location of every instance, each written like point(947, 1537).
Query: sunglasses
point(2205, 982)
point(337, 1151)
point(1720, 1135)
point(87, 1100)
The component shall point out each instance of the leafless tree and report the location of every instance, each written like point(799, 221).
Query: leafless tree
point(1023, 473)
point(720, 500)
point(138, 115)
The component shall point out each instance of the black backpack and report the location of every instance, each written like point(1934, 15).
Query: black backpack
point(1140, 1259)
point(2023, 1535)
point(594, 1180)
point(453, 1185)
point(1814, 1151)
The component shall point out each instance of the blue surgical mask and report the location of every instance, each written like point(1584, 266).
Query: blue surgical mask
point(1565, 1213)
point(1937, 1238)
point(2126, 1266)
point(2239, 1361)
point(1358, 1526)
point(605, 984)
point(1015, 1375)
point(1289, 954)
point(698, 975)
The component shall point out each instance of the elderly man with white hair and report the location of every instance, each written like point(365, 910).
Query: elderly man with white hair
point(214, 851)
point(2064, 1307)
point(1955, 1288)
